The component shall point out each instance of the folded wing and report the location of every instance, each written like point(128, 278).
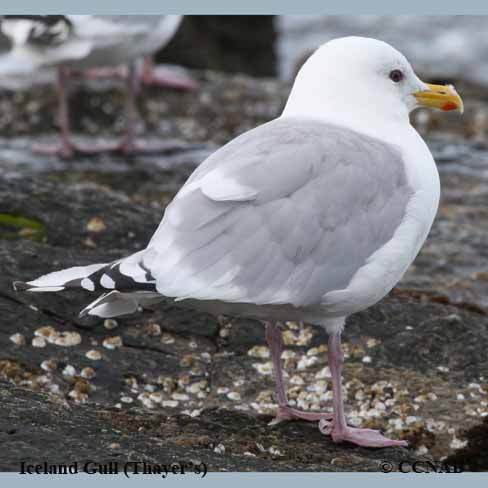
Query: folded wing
point(281, 215)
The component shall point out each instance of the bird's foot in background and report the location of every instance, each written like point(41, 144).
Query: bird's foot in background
point(153, 76)
point(360, 437)
point(103, 73)
point(166, 78)
point(134, 147)
point(68, 150)
point(288, 413)
point(64, 150)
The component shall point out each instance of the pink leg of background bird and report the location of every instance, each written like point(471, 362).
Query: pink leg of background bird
point(66, 148)
point(130, 145)
point(337, 427)
point(274, 338)
point(151, 75)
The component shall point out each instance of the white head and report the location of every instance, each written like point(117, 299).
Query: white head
point(360, 81)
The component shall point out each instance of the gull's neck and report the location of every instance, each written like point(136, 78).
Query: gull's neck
point(358, 107)
point(388, 123)
point(392, 129)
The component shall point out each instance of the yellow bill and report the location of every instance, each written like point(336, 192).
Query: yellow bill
point(443, 97)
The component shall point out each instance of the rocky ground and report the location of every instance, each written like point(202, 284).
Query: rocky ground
point(175, 385)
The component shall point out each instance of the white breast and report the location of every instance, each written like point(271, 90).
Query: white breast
point(388, 264)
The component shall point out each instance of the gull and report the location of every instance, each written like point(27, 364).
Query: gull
point(86, 42)
point(310, 217)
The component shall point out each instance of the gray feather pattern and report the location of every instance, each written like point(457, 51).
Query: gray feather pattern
point(283, 214)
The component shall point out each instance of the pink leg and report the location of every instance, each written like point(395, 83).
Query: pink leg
point(274, 338)
point(129, 144)
point(65, 148)
point(151, 75)
point(338, 428)
point(103, 73)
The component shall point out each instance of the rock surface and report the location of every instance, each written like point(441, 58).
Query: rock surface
point(173, 384)
point(36, 429)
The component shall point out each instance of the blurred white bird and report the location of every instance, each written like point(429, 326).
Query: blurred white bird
point(88, 42)
point(311, 217)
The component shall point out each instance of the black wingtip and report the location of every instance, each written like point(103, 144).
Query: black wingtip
point(21, 286)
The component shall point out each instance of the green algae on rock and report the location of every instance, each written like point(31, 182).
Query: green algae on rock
point(17, 227)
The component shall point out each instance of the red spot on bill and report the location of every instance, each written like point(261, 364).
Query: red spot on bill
point(449, 106)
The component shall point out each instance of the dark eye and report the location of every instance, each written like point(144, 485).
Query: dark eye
point(396, 75)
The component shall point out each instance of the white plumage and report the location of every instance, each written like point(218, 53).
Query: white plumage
point(312, 216)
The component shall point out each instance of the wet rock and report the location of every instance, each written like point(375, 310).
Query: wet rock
point(245, 332)
point(32, 424)
point(474, 456)
point(452, 338)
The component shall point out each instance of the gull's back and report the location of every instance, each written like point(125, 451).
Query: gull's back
point(120, 39)
point(282, 215)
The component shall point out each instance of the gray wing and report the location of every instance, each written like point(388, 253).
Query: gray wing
point(140, 34)
point(148, 21)
point(37, 41)
point(110, 30)
point(157, 29)
point(283, 214)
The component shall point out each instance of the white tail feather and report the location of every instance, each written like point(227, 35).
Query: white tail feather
point(115, 303)
point(130, 283)
point(57, 280)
